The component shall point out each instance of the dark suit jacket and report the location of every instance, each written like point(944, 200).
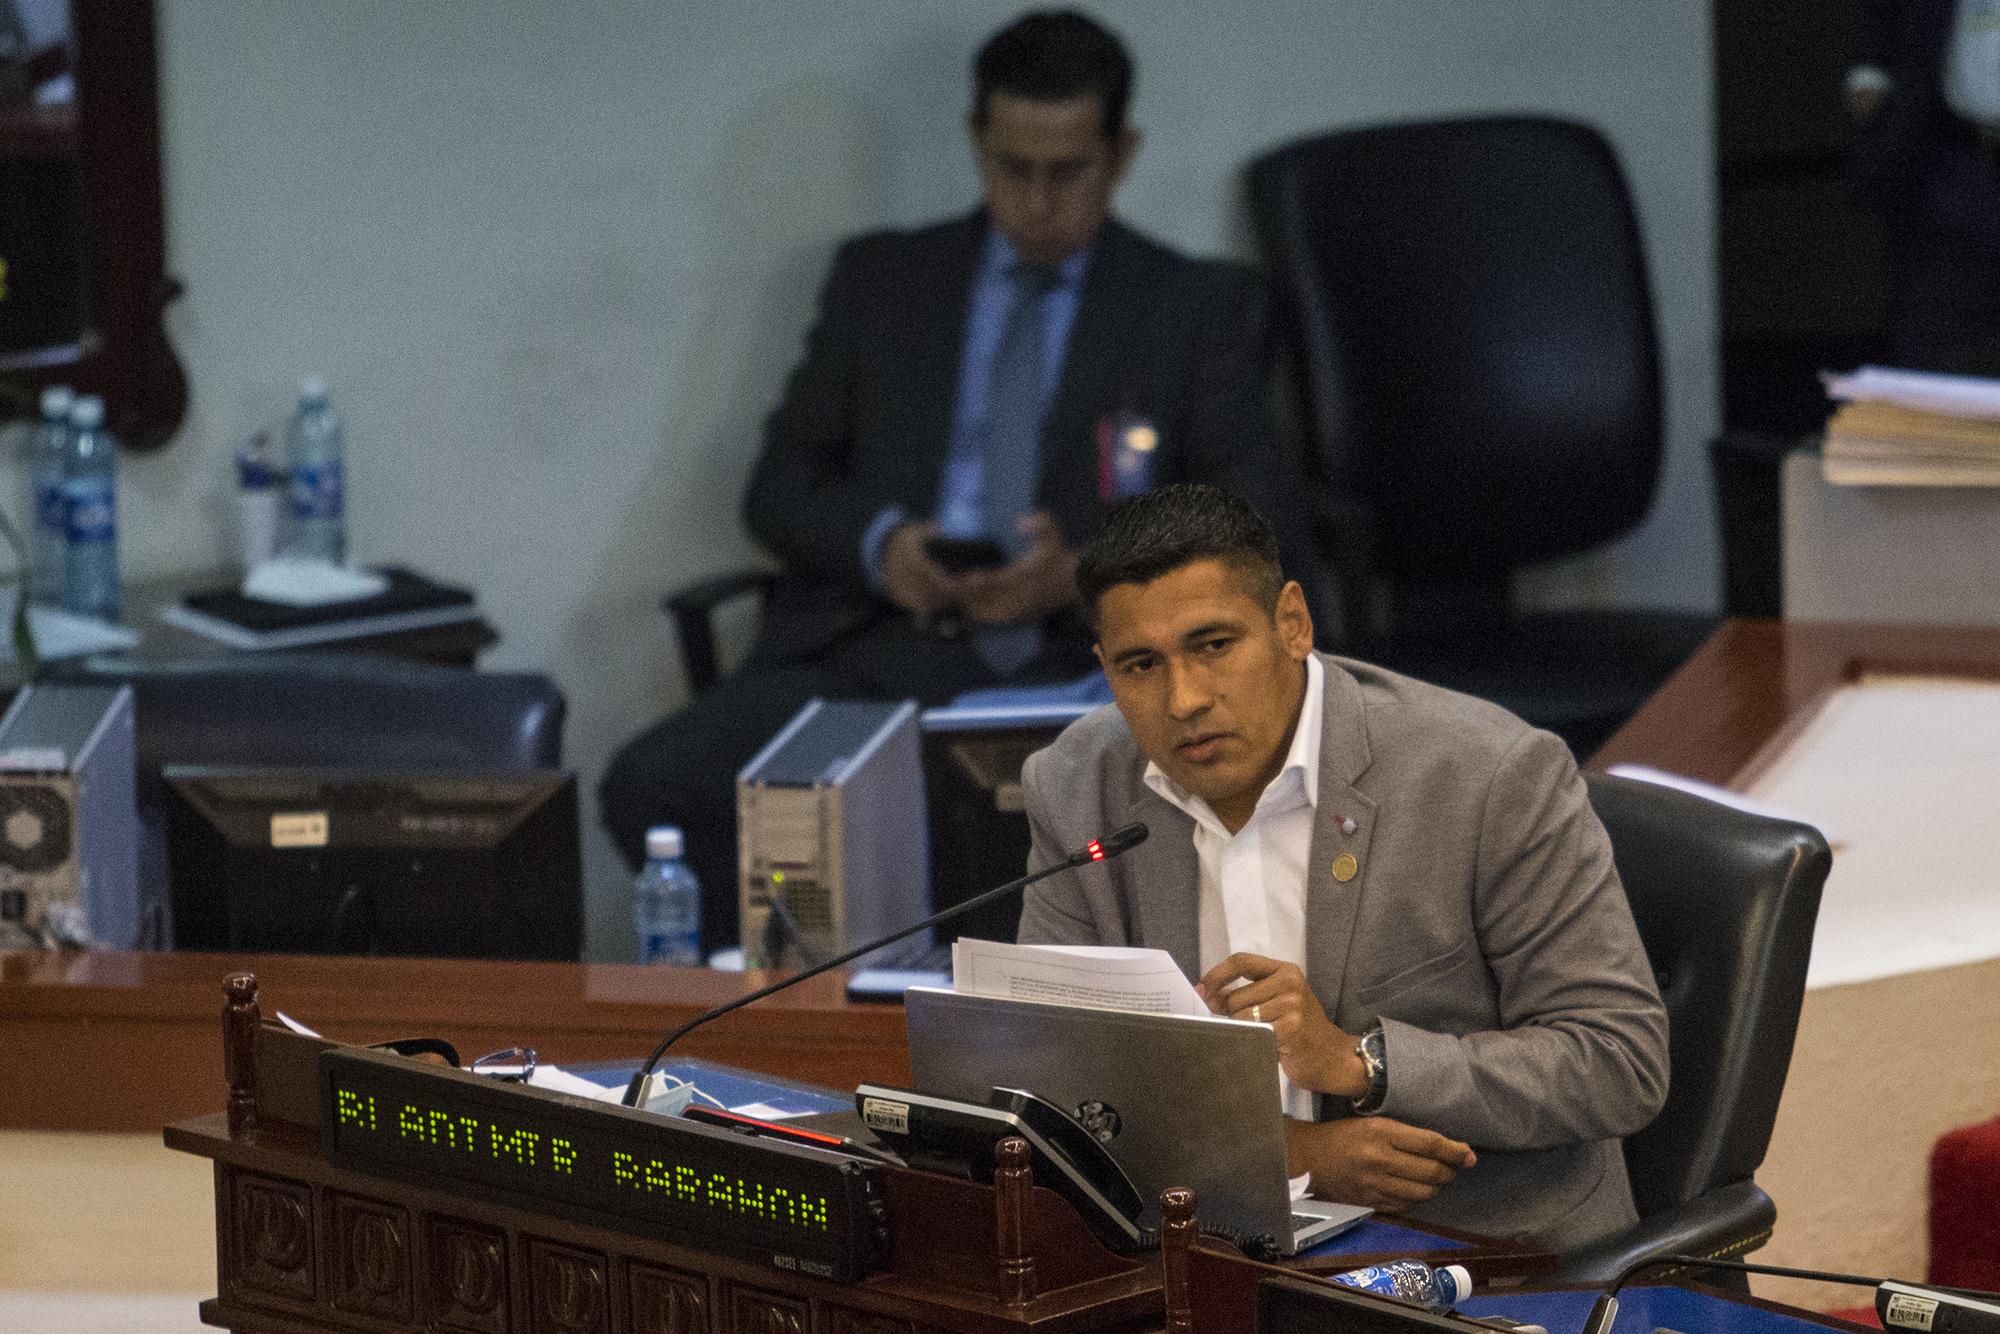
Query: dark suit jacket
point(866, 420)
point(1486, 931)
point(1906, 39)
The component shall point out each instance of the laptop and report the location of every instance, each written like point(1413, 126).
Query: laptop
point(1178, 1101)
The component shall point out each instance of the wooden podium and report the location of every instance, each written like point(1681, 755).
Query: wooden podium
point(304, 1244)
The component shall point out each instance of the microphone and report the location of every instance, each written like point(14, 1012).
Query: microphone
point(1120, 840)
point(1911, 1306)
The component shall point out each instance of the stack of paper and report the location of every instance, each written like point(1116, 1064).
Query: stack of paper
point(1912, 428)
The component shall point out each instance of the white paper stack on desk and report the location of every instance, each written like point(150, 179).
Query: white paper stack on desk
point(1912, 428)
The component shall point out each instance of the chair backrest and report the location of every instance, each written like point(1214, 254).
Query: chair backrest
point(1725, 902)
point(332, 709)
point(1468, 313)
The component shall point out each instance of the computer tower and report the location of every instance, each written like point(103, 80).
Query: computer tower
point(831, 833)
point(69, 822)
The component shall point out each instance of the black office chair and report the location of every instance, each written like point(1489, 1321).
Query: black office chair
point(1725, 903)
point(693, 611)
point(1469, 324)
point(321, 709)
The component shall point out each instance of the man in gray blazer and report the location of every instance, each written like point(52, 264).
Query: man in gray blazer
point(1408, 884)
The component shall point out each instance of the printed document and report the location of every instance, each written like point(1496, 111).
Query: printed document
point(1102, 977)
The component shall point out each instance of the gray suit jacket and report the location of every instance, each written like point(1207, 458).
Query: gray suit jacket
point(1486, 929)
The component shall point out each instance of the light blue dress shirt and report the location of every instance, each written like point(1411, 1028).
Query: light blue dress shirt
point(961, 486)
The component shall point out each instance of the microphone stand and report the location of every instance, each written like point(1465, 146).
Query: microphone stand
point(1121, 840)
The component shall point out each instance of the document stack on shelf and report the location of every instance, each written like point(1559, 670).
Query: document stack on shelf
point(1912, 428)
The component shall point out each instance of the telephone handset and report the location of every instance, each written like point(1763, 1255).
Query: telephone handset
point(949, 1135)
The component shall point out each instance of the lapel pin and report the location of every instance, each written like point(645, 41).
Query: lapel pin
point(1346, 824)
point(1344, 867)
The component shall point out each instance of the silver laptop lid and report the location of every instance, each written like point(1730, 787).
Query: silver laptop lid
point(1179, 1101)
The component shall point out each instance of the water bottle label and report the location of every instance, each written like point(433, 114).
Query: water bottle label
point(316, 491)
point(90, 510)
point(669, 946)
point(49, 506)
point(1403, 1279)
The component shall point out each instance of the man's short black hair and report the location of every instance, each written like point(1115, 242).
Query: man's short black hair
point(1160, 531)
point(1052, 55)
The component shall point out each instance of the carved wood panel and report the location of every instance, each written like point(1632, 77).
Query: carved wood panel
point(273, 1244)
point(668, 1301)
point(844, 1320)
point(754, 1312)
point(371, 1258)
point(569, 1291)
point(468, 1277)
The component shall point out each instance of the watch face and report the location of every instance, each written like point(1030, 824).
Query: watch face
point(1374, 1054)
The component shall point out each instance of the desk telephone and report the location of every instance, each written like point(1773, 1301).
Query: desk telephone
point(948, 1135)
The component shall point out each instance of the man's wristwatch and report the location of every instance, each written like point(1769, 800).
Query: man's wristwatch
point(1373, 1049)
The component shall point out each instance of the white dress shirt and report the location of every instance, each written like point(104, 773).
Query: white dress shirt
point(1253, 882)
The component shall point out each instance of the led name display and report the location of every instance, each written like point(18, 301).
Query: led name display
point(697, 1185)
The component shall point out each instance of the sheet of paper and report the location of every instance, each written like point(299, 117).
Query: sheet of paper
point(1103, 977)
point(1926, 391)
point(295, 1025)
point(64, 634)
point(562, 1081)
point(1908, 769)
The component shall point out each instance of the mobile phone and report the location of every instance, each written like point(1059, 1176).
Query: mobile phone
point(959, 554)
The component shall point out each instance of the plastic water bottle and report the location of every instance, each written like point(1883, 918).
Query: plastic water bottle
point(48, 447)
point(318, 485)
point(90, 513)
point(666, 902)
point(1413, 1281)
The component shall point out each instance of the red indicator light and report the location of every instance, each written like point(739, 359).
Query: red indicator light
point(1096, 850)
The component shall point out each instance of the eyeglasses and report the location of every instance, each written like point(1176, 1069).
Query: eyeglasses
point(509, 1058)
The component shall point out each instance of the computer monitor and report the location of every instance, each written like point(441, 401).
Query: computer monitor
point(978, 826)
point(468, 864)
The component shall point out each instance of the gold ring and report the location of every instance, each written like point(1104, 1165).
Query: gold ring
point(1256, 1014)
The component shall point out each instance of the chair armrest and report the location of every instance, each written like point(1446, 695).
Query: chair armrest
point(1726, 1223)
point(693, 610)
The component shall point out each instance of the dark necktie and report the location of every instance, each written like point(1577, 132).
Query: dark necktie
point(1011, 460)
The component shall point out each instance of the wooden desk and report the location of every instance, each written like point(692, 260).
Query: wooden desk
point(306, 1242)
point(1754, 679)
point(127, 1041)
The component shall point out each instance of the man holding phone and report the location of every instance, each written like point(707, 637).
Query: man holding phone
point(972, 395)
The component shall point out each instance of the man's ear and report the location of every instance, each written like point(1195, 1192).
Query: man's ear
point(1295, 622)
point(1097, 651)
